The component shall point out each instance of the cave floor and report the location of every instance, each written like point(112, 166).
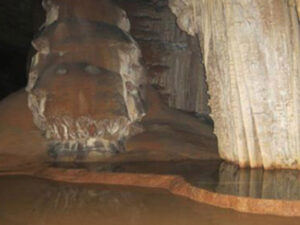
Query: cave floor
point(170, 174)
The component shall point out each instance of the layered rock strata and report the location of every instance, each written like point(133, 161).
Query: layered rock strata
point(251, 52)
point(86, 83)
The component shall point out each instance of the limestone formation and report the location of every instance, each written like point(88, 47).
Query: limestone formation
point(251, 52)
point(173, 58)
point(86, 83)
point(298, 7)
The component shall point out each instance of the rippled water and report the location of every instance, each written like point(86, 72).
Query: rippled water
point(30, 201)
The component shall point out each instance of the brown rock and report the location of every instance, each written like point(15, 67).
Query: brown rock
point(21, 143)
point(103, 10)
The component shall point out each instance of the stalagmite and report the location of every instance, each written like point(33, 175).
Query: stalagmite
point(86, 83)
point(251, 52)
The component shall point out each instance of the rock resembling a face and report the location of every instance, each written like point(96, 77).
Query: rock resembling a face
point(86, 81)
point(77, 90)
point(82, 108)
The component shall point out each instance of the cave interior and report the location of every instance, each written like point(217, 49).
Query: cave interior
point(149, 112)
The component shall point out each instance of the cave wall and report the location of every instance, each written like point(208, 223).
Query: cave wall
point(172, 57)
point(251, 52)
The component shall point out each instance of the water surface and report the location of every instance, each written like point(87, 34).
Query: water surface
point(215, 176)
point(31, 201)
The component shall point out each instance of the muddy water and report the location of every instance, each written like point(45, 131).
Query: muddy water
point(31, 201)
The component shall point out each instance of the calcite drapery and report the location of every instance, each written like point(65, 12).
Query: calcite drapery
point(172, 57)
point(251, 53)
point(86, 84)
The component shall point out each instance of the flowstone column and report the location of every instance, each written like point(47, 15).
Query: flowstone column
point(86, 83)
point(251, 52)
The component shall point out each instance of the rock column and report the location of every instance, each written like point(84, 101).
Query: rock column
point(251, 52)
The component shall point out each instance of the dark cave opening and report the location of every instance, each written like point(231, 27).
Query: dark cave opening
point(19, 21)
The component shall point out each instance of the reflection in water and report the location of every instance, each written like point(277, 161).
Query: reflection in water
point(215, 176)
point(255, 183)
point(259, 183)
point(31, 201)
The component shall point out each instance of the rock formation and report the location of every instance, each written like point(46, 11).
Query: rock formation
point(87, 89)
point(86, 84)
point(251, 52)
point(172, 57)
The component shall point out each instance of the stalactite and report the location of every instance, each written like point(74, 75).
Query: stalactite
point(86, 83)
point(251, 52)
